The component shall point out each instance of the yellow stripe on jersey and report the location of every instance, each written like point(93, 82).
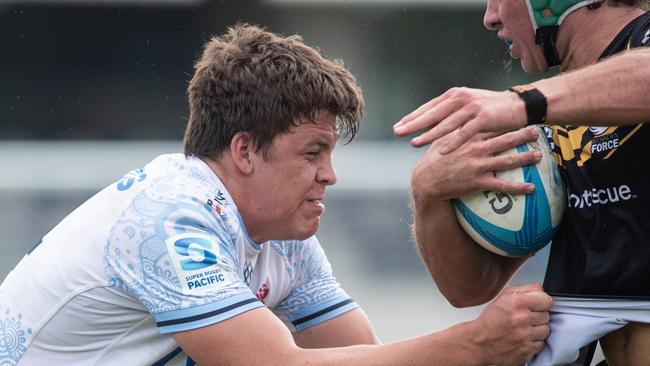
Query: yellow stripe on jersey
point(623, 140)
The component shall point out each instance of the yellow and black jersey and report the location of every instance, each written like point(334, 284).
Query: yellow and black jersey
point(602, 248)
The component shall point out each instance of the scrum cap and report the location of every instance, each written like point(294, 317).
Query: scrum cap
point(547, 16)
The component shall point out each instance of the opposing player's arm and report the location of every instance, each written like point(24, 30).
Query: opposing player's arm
point(611, 92)
point(615, 91)
point(465, 273)
point(507, 332)
point(346, 329)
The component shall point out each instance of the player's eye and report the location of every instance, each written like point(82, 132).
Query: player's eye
point(313, 152)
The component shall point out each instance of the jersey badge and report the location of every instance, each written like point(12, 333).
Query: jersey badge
point(262, 292)
point(218, 202)
point(248, 273)
point(198, 262)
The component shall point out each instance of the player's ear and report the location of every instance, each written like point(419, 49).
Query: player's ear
point(242, 151)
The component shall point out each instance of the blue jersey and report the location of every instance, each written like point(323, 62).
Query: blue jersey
point(163, 250)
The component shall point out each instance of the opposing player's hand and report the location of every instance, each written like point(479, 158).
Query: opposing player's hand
point(462, 113)
point(514, 326)
point(471, 167)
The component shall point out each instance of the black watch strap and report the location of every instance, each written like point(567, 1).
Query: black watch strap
point(535, 103)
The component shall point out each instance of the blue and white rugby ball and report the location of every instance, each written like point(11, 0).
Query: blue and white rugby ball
point(517, 225)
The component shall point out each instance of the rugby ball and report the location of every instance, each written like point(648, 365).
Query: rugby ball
point(517, 225)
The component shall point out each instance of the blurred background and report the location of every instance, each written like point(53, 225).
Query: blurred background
point(90, 90)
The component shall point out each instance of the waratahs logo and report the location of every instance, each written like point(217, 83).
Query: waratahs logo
point(198, 251)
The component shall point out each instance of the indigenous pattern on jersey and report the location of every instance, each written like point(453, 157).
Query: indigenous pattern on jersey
point(163, 250)
point(602, 248)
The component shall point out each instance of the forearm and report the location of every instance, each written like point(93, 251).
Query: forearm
point(465, 273)
point(615, 91)
point(458, 345)
point(508, 331)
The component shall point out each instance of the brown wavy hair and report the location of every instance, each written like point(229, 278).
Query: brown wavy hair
point(255, 81)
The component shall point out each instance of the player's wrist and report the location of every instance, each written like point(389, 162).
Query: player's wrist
point(535, 103)
point(423, 187)
point(476, 342)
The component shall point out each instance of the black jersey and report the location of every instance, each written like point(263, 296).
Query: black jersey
point(602, 248)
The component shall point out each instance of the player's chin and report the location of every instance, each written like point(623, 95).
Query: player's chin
point(308, 229)
point(531, 66)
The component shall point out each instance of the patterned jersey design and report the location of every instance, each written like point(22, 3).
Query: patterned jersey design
point(578, 144)
point(162, 250)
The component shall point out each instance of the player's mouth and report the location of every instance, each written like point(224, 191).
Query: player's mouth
point(316, 204)
point(511, 50)
point(507, 40)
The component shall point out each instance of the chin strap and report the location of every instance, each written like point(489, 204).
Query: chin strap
point(546, 37)
point(547, 16)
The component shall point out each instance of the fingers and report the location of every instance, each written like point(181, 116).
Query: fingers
point(537, 301)
point(540, 318)
point(518, 323)
point(511, 140)
point(461, 135)
point(505, 162)
point(530, 287)
point(427, 115)
point(450, 123)
point(406, 120)
point(536, 347)
point(499, 185)
point(532, 296)
point(488, 135)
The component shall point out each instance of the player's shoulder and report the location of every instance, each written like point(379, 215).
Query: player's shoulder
point(170, 179)
point(176, 194)
point(173, 174)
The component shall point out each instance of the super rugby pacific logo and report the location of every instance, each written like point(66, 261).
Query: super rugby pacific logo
point(198, 251)
point(198, 263)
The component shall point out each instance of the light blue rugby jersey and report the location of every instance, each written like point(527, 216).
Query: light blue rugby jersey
point(163, 250)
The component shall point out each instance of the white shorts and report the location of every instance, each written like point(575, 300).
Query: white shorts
point(577, 322)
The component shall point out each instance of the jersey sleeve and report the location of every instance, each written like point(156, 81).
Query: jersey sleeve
point(179, 259)
point(315, 296)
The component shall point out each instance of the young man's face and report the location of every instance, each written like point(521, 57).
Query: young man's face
point(512, 21)
point(289, 184)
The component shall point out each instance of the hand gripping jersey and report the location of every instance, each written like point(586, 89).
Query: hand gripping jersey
point(163, 250)
point(602, 248)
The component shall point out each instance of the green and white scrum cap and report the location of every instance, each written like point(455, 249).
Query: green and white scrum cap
point(547, 16)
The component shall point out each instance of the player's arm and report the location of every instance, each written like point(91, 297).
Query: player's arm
point(509, 331)
point(615, 91)
point(611, 92)
point(465, 273)
point(346, 329)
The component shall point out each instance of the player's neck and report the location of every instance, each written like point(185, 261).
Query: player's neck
point(238, 188)
point(586, 33)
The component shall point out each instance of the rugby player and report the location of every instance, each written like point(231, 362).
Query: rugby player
point(209, 257)
point(599, 267)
